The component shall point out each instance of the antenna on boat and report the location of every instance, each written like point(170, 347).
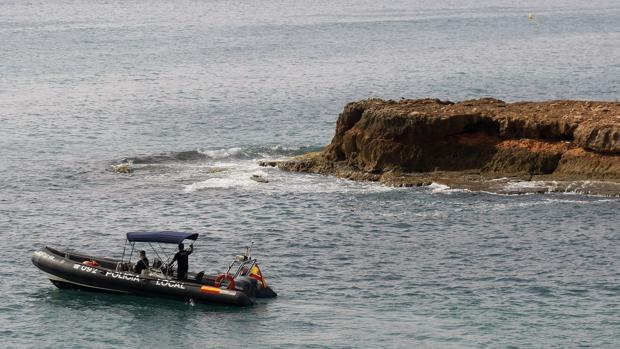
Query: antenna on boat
point(248, 250)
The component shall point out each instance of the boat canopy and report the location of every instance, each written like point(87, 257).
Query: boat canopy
point(166, 237)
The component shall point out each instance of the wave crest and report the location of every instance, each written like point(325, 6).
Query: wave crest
point(237, 153)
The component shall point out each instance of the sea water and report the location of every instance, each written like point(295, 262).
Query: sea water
point(194, 93)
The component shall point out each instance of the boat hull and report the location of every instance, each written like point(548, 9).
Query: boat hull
point(68, 273)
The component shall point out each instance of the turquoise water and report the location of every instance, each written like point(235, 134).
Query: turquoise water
point(195, 92)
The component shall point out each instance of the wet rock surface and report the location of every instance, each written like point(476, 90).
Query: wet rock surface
point(417, 142)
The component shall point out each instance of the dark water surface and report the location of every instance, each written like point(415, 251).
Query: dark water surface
point(195, 92)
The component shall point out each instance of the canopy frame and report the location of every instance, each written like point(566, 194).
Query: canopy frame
point(160, 237)
point(165, 237)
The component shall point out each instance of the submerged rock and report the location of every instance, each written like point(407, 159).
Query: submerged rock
point(268, 163)
point(124, 167)
point(259, 178)
point(415, 142)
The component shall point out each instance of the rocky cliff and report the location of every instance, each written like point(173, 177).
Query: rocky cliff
point(413, 142)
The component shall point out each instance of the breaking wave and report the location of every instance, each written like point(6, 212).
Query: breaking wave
point(587, 187)
point(240, 175)
point(508, 187)
point(236, 153)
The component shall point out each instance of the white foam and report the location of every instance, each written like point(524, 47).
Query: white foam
point(498, 179)
point(217, 183)
point(239, 175)
point(438, 188)
point(221, 153)
point(571, 188)
point(531, 185)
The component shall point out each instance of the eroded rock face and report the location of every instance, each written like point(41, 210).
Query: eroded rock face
point(380, 140)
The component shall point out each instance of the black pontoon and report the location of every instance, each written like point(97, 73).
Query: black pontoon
point(241, 284)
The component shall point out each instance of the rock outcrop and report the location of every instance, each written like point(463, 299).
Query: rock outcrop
point(414, 142)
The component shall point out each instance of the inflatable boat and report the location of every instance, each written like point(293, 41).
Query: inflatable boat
point(240, 285)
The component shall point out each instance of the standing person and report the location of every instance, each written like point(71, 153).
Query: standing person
point(142, 264)
point(181, 259)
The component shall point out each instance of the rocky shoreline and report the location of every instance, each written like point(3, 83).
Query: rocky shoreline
point(478, 144)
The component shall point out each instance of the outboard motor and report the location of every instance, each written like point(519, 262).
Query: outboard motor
point(246, 285)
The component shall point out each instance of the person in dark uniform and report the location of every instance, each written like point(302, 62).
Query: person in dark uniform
point(142, 264)
point(182, 260)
